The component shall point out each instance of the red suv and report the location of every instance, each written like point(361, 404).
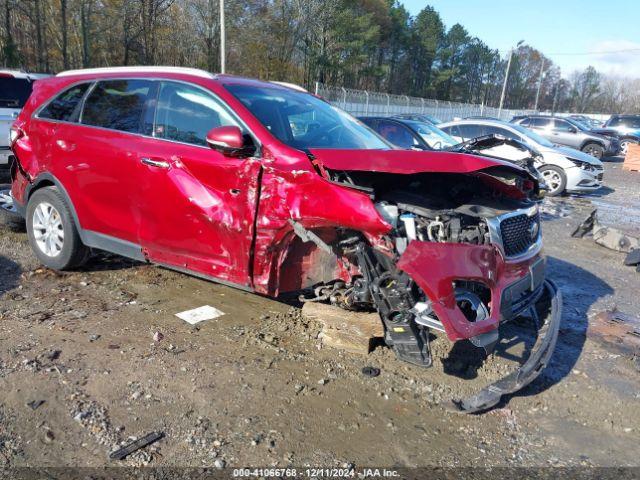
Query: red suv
point(271, 189)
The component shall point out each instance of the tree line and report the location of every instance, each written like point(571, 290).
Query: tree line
point(364, 44)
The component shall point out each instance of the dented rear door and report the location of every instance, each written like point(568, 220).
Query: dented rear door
point(197, 205)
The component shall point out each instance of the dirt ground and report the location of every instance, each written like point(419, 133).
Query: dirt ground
point(255, 387)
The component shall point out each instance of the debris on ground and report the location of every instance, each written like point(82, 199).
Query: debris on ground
point(355, 332)
point(633, 259)
point(617, 328)
point(200, 314)
point(158, 336)
point(370, 371)
point(35, 404)
point(128, 449)
point(606, 236)
point(586, 226)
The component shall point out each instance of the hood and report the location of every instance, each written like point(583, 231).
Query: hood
point(405, 161)
point(576, 154)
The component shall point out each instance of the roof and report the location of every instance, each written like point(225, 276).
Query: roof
point(479, 121)
point(97, 71)
point(222, 78)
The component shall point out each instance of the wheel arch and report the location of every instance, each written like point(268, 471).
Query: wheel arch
point(593, 140)
point(48, 180)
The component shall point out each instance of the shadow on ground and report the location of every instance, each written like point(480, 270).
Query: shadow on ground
point(9, 275)
point(580, 289)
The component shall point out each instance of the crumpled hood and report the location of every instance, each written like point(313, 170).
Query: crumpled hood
point(575, 154)
point(406, 161)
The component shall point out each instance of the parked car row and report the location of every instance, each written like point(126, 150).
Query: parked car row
point(563, 169)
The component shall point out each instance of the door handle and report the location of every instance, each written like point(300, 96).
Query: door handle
point(155, 163)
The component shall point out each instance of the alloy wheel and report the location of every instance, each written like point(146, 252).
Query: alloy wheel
point(48, 230)
point(552, 179)
point(594, 152)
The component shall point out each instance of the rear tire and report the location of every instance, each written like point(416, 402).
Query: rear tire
point(555, 179)
point(52, 232)
point(594, 150)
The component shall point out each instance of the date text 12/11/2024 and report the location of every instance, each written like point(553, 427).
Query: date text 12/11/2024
point(314, 473)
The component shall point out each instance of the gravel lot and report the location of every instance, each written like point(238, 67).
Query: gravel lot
point(255, 387)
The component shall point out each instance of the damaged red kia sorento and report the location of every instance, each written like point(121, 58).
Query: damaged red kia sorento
point(271, 189)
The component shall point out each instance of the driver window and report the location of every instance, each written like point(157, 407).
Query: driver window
point(396, 134)
point(562, 126)
point(186, 114)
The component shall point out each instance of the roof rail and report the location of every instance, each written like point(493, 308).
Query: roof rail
point(292, 86)
point(145, 69)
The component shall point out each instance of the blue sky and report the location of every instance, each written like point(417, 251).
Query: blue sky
point(556, 27)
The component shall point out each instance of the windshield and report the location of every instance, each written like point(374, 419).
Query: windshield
point(434, 137)
point(578, 124)
point(532, 135)
point(303, 121)
point(14, 92)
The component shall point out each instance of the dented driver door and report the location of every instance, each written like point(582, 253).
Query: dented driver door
point(197, 206)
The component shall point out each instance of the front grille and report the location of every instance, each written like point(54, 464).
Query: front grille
point(519, 233)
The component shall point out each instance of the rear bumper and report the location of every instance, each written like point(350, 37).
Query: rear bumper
point(551, 305)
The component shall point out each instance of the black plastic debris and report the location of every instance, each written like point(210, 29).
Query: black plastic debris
point(586, 226)
point(136, 445)
point(370, 371)
point(633, 258)
point(35, 404)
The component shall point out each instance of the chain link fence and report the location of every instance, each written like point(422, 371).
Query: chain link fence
point(365, 103)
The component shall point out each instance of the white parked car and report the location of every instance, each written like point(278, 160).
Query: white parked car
point(564, 169)
point(15, 88)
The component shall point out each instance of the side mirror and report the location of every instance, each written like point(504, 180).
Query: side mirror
point(226, 140)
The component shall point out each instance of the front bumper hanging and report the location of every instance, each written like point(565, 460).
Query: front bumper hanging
point(551, 303)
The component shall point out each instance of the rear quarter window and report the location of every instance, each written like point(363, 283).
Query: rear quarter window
point(66, 106)
point(14, 92)
point(117, 104)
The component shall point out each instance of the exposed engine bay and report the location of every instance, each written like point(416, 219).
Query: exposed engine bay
point(438, 208)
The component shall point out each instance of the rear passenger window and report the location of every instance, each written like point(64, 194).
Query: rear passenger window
point(66, 106)
point(117, 104)
point(186, 114)
point(540, 122)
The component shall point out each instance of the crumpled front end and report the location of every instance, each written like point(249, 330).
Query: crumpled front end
point(453, 248)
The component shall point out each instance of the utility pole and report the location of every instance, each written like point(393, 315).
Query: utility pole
point(539, 85)
point(506, 78)
point(504, 85)
point(222, 39)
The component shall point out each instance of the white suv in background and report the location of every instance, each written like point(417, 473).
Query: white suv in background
point(15, 88)
point(564, 169)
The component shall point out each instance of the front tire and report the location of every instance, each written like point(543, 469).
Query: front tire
point(594, 150)
point(555, 179)
point(52, 232)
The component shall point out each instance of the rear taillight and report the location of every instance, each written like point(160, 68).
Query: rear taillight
point(15, 134)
